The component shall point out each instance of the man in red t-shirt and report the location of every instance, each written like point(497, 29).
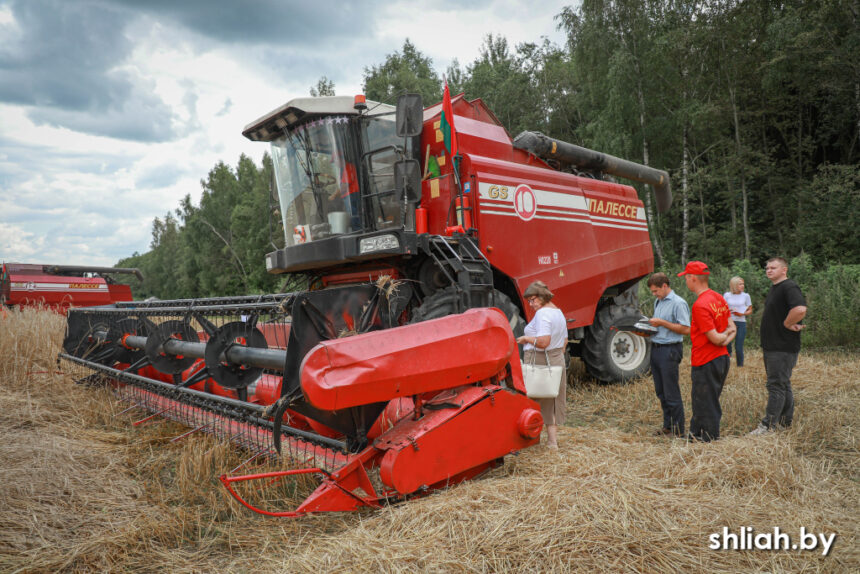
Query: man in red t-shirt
point(710, 332)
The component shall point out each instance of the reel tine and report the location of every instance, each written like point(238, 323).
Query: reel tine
point(150, 417)
point(131, 408)
point(185, 434)
point(253, 457)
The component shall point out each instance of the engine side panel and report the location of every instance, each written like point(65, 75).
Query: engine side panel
point(578, 235)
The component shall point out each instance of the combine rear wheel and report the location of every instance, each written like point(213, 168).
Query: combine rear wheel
point(611, 354)
point(444, 302)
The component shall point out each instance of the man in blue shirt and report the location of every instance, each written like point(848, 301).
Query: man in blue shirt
point(672, 319)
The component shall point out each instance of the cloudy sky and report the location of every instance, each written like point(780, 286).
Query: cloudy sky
point(111, 111)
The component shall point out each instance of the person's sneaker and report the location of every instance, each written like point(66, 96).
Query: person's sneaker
point(760, 430)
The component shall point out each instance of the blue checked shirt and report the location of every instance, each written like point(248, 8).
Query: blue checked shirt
point(674, 309)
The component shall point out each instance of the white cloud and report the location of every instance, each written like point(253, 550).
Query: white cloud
point(18, 244)
point(68, 195)
point(458, 32)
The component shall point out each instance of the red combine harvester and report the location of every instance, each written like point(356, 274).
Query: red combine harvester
point(397, 372)
point(59, 287)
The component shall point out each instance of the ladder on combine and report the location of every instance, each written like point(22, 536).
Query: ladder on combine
point(465, 267)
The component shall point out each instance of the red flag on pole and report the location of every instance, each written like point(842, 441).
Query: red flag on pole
point(447, 123)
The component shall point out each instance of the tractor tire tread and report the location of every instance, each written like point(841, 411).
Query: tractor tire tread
point(597, 363)
point(443, 302)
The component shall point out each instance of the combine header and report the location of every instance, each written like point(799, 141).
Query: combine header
point(327, 378)
point(397, 372)
point(59, 287)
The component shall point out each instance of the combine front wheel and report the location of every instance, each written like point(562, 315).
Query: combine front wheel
point(444, 302)
point(612, 353)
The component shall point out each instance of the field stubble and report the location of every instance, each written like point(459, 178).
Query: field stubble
point(84, 491)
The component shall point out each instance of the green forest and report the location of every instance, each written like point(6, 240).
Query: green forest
point(752, 107)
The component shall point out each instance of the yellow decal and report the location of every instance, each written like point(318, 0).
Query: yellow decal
point(434, 188)
point(498, 192)
point(560, 273)
point(437, 124)
point(612, 208)
point(719, 310)
point(83, 286)
point(441, 160)
point(439, 136)
point(554, 147)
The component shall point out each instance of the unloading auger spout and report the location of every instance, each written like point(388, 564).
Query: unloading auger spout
point(594, 161)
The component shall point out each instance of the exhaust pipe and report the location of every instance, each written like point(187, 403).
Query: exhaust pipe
point(549, 148)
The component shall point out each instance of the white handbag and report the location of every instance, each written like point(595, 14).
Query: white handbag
point(542, 381)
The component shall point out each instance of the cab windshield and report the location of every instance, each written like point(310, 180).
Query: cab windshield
point(320, 172)
point(315, 170)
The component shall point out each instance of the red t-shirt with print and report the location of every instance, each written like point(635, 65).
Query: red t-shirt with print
point(710, 311)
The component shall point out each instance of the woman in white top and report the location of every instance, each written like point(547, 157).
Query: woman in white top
point(547, 331)
point(740, 305)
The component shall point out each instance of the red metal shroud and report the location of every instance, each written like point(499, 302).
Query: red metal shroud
point(413, 360)
point(473, 413)
point(474, 428)
point(485, 425)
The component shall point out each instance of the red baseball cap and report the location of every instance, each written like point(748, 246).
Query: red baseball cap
point(695, 268)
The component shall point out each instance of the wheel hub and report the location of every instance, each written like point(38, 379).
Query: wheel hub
point(627, 350)
point(622, 347)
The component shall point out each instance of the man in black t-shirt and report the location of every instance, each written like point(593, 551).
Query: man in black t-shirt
point(784, 308)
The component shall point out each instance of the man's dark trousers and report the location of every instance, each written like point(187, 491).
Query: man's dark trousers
point(708, 380)
point(665, 359)
point(780, 399)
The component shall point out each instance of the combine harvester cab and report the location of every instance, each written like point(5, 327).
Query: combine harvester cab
point(398, 372)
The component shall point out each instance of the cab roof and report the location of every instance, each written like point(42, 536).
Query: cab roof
point(298, 110)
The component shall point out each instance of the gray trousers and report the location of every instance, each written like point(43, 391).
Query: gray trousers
point(780, 400)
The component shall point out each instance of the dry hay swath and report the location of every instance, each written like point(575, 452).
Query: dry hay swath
point(83, 491)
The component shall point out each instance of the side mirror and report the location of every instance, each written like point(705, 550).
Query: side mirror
point(407, 178)
point(410, 115)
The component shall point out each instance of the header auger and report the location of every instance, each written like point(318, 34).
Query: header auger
point(398, 372)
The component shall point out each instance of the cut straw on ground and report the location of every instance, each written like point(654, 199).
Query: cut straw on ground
point(84, 491)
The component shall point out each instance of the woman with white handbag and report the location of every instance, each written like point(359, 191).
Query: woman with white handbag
point(543, 343)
